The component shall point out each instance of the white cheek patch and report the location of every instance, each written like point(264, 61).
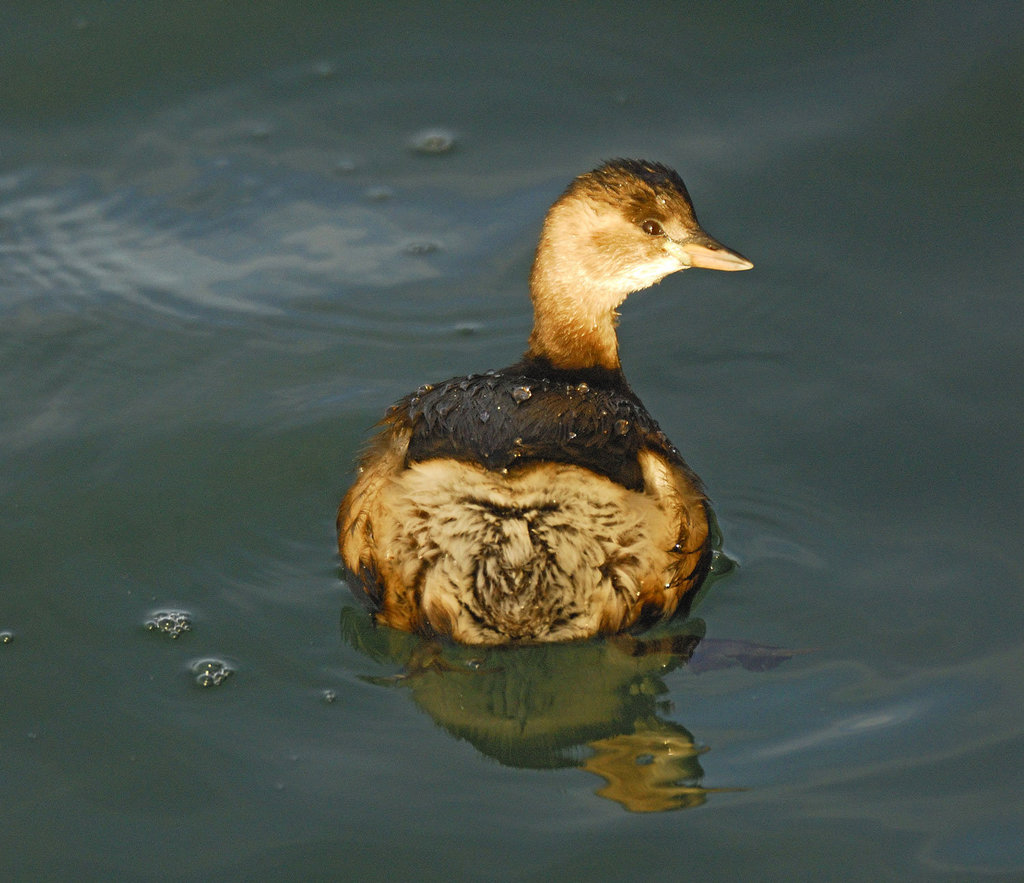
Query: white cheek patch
point(653, 272)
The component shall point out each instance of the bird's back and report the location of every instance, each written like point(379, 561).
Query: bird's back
point(525, 503)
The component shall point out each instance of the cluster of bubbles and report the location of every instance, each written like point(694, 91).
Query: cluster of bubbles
point(172, 623)
point(205, 672)
point(211, 672)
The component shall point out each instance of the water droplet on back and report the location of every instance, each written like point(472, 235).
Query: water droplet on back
point(621, 427)
point(521, 393)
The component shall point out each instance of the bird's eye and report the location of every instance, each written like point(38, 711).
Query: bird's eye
point(652, 228)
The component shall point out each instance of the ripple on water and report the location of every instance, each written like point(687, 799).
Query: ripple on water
point(773, 523)
point(216, 247)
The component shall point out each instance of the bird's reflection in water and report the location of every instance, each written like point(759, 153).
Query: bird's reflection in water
point(599, 705)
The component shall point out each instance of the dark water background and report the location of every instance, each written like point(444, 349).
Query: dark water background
point(221, 256)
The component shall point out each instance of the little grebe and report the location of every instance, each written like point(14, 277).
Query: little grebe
point(542, 502)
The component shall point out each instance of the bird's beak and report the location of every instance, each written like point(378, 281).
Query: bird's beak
point(700, 250)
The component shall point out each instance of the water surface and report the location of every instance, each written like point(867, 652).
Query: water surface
point(222, 254)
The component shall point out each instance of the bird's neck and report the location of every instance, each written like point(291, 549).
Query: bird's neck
point(573, 319)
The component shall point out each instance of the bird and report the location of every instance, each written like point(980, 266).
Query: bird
point(542, 502)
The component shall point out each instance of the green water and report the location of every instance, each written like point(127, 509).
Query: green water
point(222, 256)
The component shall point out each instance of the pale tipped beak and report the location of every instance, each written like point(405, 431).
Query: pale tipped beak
point(703, 251)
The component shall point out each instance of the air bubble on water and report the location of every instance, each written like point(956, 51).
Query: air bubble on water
point(344, 166)
point(328, 696)
point(468, 328)
point(521, 393)
point(261, 131)
point(421, 246)
point(211, 672)
point(379, 194)
point(172, 623)
point(6, 636)
point(432, 142)
point(722, 563)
